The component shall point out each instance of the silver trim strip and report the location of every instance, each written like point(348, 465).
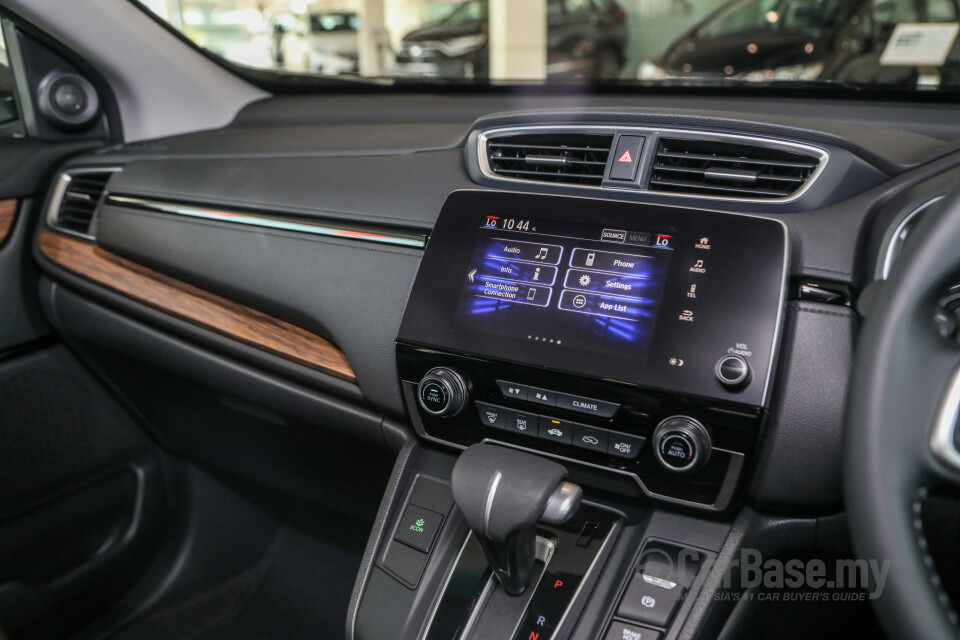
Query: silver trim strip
point(60, 189)
point(895, 243)
point(362, 233)
point(658, 582)
point(768, 143)
point(491, 494)
point(942, 440)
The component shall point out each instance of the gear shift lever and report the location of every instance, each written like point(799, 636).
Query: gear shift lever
point(503, 493)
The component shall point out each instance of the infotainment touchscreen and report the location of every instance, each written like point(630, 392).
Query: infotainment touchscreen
point(588, 286)
point(646, 295)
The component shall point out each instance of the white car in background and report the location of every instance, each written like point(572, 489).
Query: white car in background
point(333, 45)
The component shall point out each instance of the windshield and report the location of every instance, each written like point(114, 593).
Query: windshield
point(326, 22)
point(808, 17)
point(466, 12)
point(907, 45)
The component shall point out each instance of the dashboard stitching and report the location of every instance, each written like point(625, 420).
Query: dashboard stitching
point(935, 580)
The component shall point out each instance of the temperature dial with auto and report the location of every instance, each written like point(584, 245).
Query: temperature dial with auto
point(682, 444)
point(443, 392)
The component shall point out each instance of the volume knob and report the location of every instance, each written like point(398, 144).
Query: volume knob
point(443, 392)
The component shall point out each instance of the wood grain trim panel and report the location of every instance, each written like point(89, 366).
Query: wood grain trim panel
point(8, 211)
point(196, 306)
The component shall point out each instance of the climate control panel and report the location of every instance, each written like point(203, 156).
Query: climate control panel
point(666, 446)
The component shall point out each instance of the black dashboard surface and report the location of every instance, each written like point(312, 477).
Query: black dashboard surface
point(367, 160)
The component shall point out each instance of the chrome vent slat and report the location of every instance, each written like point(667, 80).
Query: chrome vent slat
point(758, 177)
point(688, 184)
point(706, 167)
point(566, 160)
point(76, 200)
point(545, 174)
point(574, 158)
point(539, 147)
point(736, 159)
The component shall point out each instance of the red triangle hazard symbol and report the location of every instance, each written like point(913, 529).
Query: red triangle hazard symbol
point(626, 157)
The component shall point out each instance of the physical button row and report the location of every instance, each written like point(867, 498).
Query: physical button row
point(548, 398)
point(614, 443)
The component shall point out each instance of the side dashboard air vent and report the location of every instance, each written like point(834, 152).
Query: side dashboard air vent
point(568, 158)
point(723, 169)
point(76, 198)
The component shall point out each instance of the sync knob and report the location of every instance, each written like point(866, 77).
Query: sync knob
point(443, 392)
point(682, 444)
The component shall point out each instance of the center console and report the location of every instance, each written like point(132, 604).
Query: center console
point(632, 344)
point(636, 341)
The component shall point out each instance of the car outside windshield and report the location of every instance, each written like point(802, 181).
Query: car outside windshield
point(903, 45)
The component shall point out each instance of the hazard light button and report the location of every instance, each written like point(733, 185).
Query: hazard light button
point(626, 158)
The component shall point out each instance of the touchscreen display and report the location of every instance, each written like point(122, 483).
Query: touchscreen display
point(587, 286)
point(640, 294)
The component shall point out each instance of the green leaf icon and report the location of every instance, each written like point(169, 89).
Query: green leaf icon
point(420, 522)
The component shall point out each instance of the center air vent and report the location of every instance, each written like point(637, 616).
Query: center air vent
point(75, 201)
point(568, 158)
point(723, 169)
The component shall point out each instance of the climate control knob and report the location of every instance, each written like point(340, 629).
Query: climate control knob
point(443, 392)
point(682, 444)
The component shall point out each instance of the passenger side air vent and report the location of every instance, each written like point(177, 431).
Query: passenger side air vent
point(569, 158)
point(76, 198)
point(723, 169)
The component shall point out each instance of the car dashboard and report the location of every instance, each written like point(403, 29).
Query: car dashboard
point(662, 293)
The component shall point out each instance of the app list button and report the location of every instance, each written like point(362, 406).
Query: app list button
point(608, 306)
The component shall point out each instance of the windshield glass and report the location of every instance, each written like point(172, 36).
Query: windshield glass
point(327, 22)
point(901, 44)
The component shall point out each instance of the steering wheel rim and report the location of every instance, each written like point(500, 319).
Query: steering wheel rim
point(903, 375)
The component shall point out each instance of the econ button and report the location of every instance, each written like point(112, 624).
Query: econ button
point(418, 528)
